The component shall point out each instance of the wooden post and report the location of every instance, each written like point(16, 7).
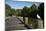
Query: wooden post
point(26, 20)
point(40, 23)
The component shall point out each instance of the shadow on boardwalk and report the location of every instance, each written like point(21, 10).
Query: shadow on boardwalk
point(14, 23)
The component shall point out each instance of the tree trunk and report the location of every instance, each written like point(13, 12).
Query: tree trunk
point(24, 19)
point(28, 19)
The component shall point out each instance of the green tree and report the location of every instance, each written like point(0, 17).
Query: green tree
point(29, 12)
point(33, 9)
point(41, 10)
point(13, 12)
point(7, 10)
point(24, 13)
point(18, 12)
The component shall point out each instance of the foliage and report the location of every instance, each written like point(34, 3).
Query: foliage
point(28, 12)
point(13, 12)
point(9, 11)
point(18, 12)
point(33, 22)
point(41, 10)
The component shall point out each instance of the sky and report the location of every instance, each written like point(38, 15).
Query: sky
point(20, 4)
